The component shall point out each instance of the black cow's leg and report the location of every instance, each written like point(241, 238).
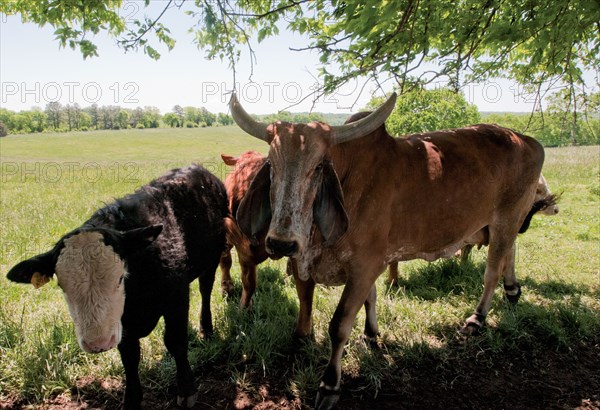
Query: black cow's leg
point(176, 341)
point(207, 281)
point(129, 349)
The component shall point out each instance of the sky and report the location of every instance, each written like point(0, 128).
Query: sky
point(34, 70)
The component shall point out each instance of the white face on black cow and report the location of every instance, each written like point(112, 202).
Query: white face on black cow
point(91, 274)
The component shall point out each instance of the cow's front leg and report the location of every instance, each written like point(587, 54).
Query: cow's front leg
point(305, 290)
point(225, 265)
point(176, 342)
point(353, 297)
point(248, 283)
point(129, 348)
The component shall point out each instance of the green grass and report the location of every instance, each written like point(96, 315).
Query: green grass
point(51, 183)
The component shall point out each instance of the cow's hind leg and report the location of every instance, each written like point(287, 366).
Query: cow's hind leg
point(176, 341)
point(500, 258)
point(512, 289)
point(207, 280)
point(392, 279)
point(371, 328)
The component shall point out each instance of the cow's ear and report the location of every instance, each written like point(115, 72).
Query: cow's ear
point(37, 270)
point(137, 239)
point(229, 160)
point(254, 212)
point(328, 210)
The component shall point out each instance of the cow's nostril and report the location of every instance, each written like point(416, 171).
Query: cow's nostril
point(282, 248)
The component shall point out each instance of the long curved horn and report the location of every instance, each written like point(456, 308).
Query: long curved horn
point(246, 122)
point(366, 125)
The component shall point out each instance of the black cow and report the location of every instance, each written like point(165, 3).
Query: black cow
point(132, 262)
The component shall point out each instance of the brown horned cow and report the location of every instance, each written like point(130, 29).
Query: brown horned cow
point(343, 202)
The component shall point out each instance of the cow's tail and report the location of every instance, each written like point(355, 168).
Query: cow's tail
point(537, 206)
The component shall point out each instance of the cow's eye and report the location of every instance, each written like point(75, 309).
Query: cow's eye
point(319, 167)
point(121, 280)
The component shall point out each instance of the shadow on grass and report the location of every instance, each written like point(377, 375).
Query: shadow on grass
point(556, 290)
point(529, 356)
point(438, 279)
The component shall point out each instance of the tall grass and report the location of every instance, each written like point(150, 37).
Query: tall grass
point(51, 183)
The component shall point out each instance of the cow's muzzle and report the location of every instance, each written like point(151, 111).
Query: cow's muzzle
point(278, 247)
point(99, 345)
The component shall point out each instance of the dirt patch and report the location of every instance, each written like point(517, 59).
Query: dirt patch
point(520, 381)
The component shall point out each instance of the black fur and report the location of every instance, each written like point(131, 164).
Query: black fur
point(537, 206)
point(169, 233)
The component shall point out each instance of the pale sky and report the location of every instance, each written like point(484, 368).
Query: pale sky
point(34, 70)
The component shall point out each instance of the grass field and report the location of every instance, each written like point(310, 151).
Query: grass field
point(543, 353)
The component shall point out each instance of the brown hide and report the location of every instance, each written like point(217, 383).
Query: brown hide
point(250, 252)
point(422, 196)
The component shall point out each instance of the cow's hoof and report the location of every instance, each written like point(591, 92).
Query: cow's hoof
point(245, 303)
point(187, 402)
point(472, 325)
point(512, 293)
point(327, 398)
point(227, 287)
point(369, 341)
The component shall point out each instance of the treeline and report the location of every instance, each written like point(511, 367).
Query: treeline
point(71, 117)
point(551, 129)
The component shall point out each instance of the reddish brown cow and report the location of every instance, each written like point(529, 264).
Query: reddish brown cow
point(250, 251)
point(343, 202)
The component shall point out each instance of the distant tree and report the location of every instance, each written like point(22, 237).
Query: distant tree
point(151, 117)
point(54, 113)
point(429, 110)
point(3, 130)
point(108, 116)
point(7, 118)
point(171, 119)
point(178, 110)
point(224, 119)
point(73, 116)
point(207, 117)
point(192, 115)
point(38, 119)
point(122, 119)
point(85, 121)
point(92, 110)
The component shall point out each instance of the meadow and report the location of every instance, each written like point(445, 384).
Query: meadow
point(542, 353)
